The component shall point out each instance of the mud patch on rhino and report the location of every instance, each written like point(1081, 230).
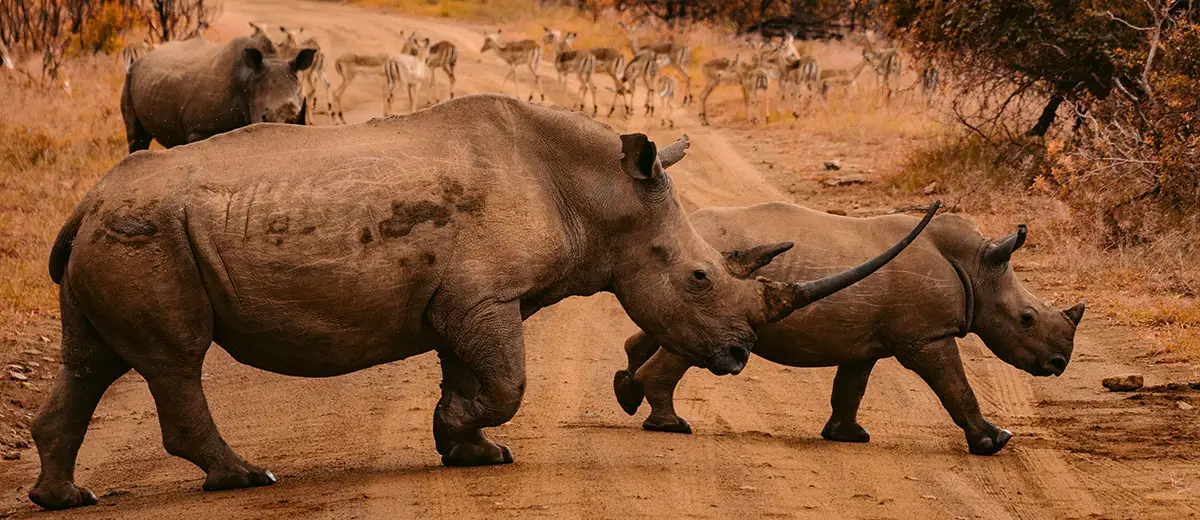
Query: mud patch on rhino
point(125, 228)
point(408, 215)
point(278, 225)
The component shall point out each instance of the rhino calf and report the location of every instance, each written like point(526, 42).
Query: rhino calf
point(951, 282)
point(321, 251)
point(188, 90)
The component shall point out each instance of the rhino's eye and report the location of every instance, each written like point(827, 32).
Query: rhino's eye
point(699, 275)
point(1027, 317)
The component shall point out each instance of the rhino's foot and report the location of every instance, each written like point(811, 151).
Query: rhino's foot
point(672, 424)
point(484, 453)
point(63, 495)
point(845, 432)
point(629, 391)
point(244, 476)
point(992, 442)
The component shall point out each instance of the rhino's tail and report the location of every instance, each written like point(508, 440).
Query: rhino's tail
point(61, 252)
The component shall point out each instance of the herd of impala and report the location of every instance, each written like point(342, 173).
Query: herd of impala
point(660, 67)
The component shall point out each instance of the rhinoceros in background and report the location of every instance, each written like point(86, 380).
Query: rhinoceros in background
point(193, 89)
point(951, 282)
point(322, 251)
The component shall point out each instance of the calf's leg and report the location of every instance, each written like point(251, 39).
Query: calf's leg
point(939, 365)
point(638, 349)
point(848, 388)
point(658, 378)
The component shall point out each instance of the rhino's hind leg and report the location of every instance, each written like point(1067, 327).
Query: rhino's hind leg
point(939, 365)
point(483, 381)
point(848, 388)
point(174, 333)
point(658, 378)
point(89, 367)
point(189, 432)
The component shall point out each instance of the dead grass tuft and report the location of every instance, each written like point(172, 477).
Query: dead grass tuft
point(52, 151)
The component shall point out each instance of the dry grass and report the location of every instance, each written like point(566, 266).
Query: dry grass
point(51, 152)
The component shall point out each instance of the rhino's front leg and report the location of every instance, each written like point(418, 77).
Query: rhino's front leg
point(658, 378)
point(848, 388)
point(939, 365)
point(638, 349)
point(483, 380)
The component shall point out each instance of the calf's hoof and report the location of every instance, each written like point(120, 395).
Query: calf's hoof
point(674, 424)
point(238, 478)
point(991, 443)
point(629, 391)
point(64, 495)
point(480, 454)
point(843, 432)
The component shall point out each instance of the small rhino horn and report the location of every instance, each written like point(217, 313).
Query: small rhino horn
point(1075, 313)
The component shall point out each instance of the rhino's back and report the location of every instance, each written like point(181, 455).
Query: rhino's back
point(916, 296)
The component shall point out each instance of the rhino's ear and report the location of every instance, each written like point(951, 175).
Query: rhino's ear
point(258, 29)
point(743, 262)
point(1001, 250)
point(253, 58)
point(639, 157)
point(303, 60)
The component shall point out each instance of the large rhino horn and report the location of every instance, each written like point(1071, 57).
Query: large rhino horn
point(782, 298)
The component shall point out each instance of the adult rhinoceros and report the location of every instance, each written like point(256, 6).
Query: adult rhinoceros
point(322, 251)
point(192, 89)
point(951, 282)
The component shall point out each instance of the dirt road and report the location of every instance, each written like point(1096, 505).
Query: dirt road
point(360, 446)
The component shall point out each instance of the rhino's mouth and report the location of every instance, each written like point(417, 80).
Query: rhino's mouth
point(729, 360)
point(1055, 365)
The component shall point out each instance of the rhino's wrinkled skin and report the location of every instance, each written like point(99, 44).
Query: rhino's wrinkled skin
point(188, 90)
point(322, 251)
point(951, 282)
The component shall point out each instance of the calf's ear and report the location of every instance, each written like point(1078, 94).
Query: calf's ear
point(1001, 250)
point(743, 262)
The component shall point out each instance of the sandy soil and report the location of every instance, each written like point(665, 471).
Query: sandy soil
point(360, 446)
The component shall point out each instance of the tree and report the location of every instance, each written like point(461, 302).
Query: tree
point(1060, 49)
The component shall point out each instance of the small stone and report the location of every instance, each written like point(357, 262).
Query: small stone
point(44, 339)
point(929, 497)
point(835, 211)
point(846, 180)
point(11, 455)
point(833, 165)
point(1127, 383)
point(17, 376)
point(932, 188)
point(1183, 406)
point(747, 488)
point(32, 352)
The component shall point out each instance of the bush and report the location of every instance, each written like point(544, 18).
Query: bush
point(1134, 167)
